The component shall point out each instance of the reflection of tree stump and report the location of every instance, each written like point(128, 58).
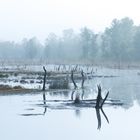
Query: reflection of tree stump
point(99, 104)
point(99, 117)
point(44, 102)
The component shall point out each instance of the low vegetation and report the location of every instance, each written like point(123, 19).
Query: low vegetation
point(7, 87)
point(4, 75)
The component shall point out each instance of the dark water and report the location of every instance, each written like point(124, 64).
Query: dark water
point(28, 117)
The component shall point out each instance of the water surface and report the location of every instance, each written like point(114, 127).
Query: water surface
point(27, 116)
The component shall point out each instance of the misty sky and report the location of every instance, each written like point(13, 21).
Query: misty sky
point(28, 18)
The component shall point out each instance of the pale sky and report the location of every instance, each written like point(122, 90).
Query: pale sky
point(29, 18)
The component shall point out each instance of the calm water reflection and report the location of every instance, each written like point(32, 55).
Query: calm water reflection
point(34, 116)
point(27, 117)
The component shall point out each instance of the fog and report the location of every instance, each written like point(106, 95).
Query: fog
point(120, 42)
point(28, 18)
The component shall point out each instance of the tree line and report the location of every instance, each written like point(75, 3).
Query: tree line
point(120, 42)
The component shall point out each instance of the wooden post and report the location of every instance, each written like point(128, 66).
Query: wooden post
point(44, 80)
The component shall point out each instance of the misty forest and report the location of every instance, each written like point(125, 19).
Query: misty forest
point(78, 85)
point(120, 42)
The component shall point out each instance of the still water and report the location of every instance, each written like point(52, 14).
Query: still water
point(28, 117)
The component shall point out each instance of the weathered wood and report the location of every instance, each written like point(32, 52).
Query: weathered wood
point(99, 97)
point(104, 99)
point(83, 79)
point(72, 94)
point(75, 86)
point(44, 79)
point(100, 101)
point(77, 99)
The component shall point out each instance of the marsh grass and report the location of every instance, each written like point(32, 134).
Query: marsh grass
point(59, 84)
point(4, 75)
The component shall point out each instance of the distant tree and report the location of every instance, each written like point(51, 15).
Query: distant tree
point(120, 42)
point(30, 47)
point(136, 44)
point(88, 42)
point(8, 50)
point(118, 39)
point(93, 47)
point(70, 45)
point(51, 45)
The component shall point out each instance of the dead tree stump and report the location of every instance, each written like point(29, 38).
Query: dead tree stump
point(44, 79)
point(100, 101)
point(83, 79)
point(75, 86)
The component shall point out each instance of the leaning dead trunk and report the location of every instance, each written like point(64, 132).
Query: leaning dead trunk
point(83, 79)
point(104, 99)
point(75, 86)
